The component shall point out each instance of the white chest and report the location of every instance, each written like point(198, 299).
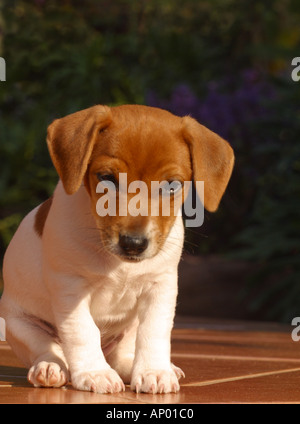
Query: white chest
point(115, 299)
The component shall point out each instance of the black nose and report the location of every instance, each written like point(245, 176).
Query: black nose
point(133, 245)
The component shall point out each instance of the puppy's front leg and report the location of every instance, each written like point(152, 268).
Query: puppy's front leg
point(152, 368)
point(81, 341)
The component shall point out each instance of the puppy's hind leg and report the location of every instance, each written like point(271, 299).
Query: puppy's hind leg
point(121, 358)
point(37, 346)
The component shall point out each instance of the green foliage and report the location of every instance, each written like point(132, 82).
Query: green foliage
point(271, 234)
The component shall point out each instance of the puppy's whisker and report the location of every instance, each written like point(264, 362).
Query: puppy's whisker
point(197, 233)
point(192, 244)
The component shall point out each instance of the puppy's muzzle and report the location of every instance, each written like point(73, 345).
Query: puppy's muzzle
point(132, 245)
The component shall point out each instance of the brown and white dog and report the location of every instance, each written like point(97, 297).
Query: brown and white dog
point(92, 298)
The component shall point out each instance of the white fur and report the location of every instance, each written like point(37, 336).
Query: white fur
point(93, 298)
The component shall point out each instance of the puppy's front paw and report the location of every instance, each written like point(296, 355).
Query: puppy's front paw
point(156, 381)
point(102, 381)
point(47, 374)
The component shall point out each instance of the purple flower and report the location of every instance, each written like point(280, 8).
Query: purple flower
point(227, 108)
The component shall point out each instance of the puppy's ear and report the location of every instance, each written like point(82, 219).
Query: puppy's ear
point(212, 161)
point(71, 140)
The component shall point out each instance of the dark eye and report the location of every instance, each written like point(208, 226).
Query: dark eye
point(171, 188)
point(107, 177)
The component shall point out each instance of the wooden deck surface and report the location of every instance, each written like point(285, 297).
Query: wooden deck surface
point(224, 362)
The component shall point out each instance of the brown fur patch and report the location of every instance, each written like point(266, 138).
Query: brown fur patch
point(41, 216)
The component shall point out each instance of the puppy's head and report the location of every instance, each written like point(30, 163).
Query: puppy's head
point(133, 159)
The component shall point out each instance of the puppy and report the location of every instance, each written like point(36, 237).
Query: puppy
point(92, 298)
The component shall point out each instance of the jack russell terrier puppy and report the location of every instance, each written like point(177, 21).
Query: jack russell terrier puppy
point(92, 298)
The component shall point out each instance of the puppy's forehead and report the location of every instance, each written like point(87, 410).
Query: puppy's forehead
point(145, 138)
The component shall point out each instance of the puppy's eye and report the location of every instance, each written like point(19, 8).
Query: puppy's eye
point(107, 177)
point(171, 188)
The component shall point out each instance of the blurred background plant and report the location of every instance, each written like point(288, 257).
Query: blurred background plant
point(222, 62)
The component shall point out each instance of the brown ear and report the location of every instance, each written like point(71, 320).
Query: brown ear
point(71, 140)
point(212, 161)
